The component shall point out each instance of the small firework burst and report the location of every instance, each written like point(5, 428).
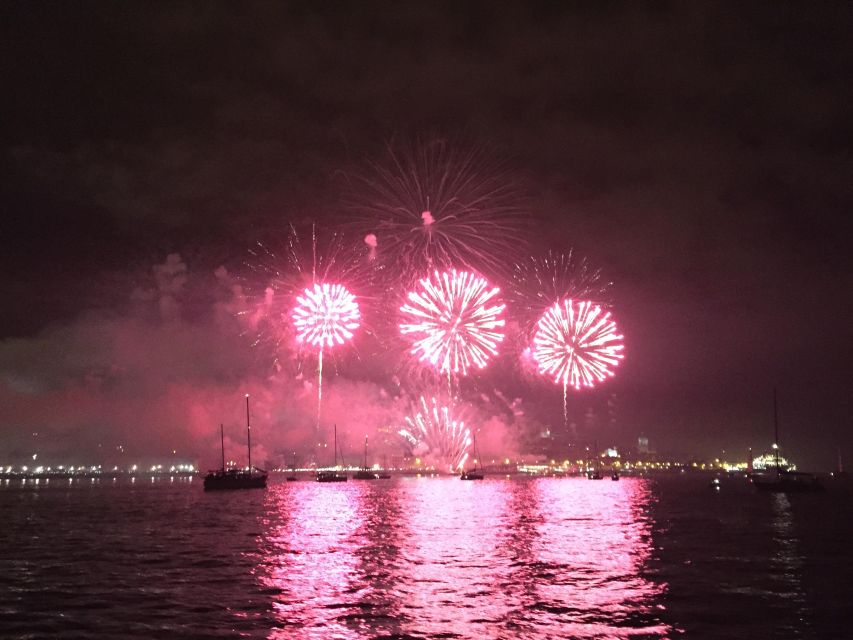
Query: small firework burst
point(326, 315)
point(436, 435)
point(453, 321)
point(577, 344)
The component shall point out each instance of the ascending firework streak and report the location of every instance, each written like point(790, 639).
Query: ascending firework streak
point(577, 343)
point(434, 433)
point(325, 316)
point(454, 321)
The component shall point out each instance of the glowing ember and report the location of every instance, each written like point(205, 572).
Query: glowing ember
point(326, 315)
point(577, 343)
point(454, 321)
point(436, 436)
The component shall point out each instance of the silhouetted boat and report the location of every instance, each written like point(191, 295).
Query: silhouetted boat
point(292, 478)
point(614, 476)
point(594, 474)
point(364, 473)
point(473, 474)
point(784, 480)
point(227, 479)
point(332, 475)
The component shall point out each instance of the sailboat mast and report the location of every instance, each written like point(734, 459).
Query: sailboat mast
point(335, 444)
point(249, 433)
point(222, 442)
point(775, 430)
point(365, 452)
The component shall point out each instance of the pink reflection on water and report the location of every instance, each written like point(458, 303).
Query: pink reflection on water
point(310, 560)
point(595, 541)
point(454, 581)
point(532, 558)
point(537, 558)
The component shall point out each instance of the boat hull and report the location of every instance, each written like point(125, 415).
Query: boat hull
point(331, 476)
point(365, 475)
point(232, 481)
point(788, 482)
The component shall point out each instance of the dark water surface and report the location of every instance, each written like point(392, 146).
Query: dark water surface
point(424, 558)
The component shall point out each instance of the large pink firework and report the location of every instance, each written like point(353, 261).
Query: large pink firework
point(326, 315)
point(577, 343)
point(454, 321)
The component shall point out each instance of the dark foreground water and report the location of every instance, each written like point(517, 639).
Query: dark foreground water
point(424, 558)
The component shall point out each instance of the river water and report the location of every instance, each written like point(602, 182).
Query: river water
point(423, 558)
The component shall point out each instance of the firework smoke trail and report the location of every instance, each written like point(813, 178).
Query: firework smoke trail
point(325, 316)
point(453, 322)
point(433, 432)
point(429, 207)
point(577, 344)
point(539, 282)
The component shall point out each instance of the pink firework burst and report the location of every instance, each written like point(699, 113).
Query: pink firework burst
point(577, 343)
point(326, 315)
point(454, 321)
point(436, 434)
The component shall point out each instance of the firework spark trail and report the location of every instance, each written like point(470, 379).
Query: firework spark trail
point(539, 282)
point(326, 316)
point(577, 344)
point(431, 207)
point(444, 439)
point(454, 321)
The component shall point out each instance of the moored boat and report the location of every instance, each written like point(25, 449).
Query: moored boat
point(332, 475)
point(227, 479)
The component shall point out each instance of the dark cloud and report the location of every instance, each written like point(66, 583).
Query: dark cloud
point(698, 152)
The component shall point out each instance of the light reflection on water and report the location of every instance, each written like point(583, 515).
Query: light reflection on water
point(441, 557)
point(424, 558)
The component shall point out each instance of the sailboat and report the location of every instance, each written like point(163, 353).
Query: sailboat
point(473, 474)
point(783, 480)
point(332, 475)
point(291, 477)
point(224, 479)
point(364, 473)
point(595, 474)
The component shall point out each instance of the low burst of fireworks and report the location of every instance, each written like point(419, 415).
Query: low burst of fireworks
point(436, 435)
point(577, 344)
point(453, 321)
point(430, 207)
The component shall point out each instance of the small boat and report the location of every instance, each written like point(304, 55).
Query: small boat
point(594, 474)
point(614, 476)
point(227, 479)
point(384, 476)
point(332, 475)
point(784, 480)
point(473, 474)
point(364, 473)
point(715, 483)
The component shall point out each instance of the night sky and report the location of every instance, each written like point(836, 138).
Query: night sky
point(698, 153)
